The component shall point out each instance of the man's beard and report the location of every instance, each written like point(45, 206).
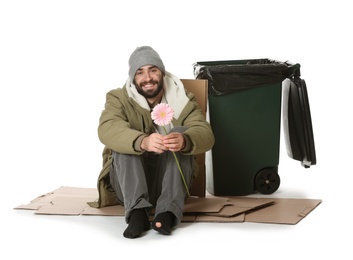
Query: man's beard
point(150, 94)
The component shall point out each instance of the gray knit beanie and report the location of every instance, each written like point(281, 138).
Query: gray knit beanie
point(142, 56)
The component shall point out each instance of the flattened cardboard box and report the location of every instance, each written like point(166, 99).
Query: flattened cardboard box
point(200, 89)
point(73, 201)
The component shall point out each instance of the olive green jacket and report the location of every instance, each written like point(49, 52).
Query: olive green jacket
point(124, 120)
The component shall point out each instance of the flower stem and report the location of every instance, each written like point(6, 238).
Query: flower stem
point(181, 174)
point(180, 170)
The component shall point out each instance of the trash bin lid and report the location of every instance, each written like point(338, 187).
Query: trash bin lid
point(297, 124)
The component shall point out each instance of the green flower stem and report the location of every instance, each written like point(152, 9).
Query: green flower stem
point(181, 172)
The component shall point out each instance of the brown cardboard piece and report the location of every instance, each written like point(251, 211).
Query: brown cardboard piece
point(283, 211)
point(200, 89)
point(238, 205)
point(234, 209)
point(73, 201)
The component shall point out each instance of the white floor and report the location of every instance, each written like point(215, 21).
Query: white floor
point(59, 59)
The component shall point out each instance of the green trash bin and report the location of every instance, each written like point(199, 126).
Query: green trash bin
point(245, 115)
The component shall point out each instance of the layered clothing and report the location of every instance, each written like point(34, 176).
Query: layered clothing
point(126, 118)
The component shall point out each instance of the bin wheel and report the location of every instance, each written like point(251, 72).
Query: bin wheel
point(267, 181)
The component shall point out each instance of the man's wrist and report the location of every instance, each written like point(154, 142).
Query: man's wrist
point(138, 146)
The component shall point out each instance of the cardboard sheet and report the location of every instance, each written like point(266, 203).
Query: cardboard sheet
point(73, 201)
point(283, 211)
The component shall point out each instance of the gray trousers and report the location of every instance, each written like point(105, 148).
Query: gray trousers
point(151, 181)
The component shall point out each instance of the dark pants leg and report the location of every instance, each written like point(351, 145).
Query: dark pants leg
point(147, 180)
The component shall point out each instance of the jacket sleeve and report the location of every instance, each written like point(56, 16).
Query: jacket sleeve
point(114, 129)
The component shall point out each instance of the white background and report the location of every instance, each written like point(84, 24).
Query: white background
point(59, 58)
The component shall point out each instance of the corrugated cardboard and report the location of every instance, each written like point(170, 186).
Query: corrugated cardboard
point(200, 90)
point(73, 201)
point(284, 211)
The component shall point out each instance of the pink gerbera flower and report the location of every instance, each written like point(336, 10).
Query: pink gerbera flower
point(162, 114)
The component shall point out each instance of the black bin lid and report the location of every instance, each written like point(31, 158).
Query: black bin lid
point(297, 124)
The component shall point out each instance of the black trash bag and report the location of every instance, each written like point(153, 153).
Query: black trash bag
point(225, 77)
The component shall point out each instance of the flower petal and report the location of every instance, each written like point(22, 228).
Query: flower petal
point(162, 114)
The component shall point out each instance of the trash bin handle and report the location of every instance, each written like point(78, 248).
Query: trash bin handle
point(295, 67)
